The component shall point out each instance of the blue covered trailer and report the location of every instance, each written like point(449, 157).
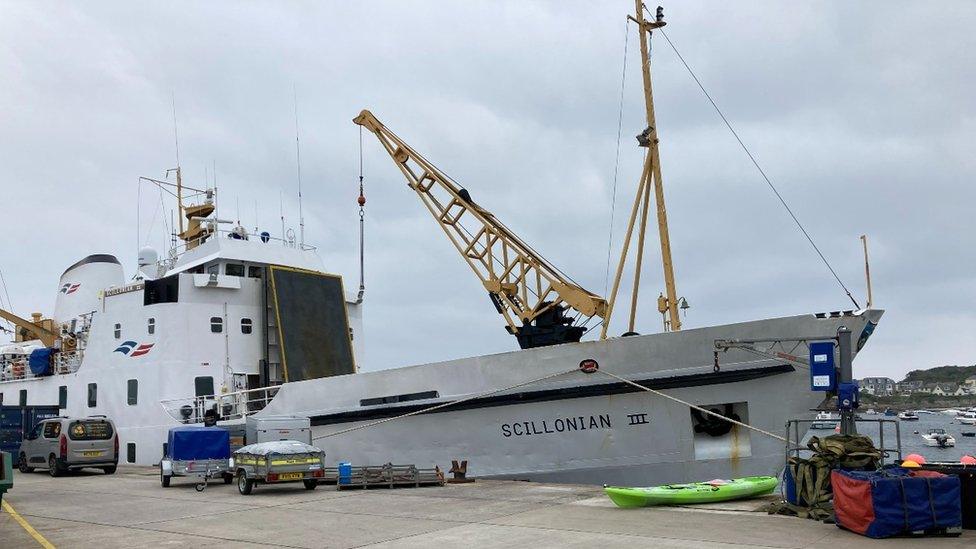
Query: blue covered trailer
point(196, 451)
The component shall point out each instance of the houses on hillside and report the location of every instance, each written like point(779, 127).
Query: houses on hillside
point(885, 386)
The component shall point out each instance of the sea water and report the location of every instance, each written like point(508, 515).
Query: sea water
point(912, 442)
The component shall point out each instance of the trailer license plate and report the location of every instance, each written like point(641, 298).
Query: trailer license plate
point(92, 453)
point(291, 476)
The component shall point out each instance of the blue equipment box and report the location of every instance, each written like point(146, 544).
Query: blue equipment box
point(823, 373)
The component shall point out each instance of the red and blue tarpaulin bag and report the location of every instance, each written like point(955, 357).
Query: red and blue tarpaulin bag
point(896, 501)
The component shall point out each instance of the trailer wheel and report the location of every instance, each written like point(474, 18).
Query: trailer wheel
point(244, 484)
point(310, 484)
point(164, 479)
point(228, 478)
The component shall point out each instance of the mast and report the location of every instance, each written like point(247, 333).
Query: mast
point(179, 195)
point(668, 302)
point(672, 320)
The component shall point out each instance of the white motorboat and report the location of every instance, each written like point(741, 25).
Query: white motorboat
point(908, 415)
point(939, 438)
point(824, 421)
point(967, 418)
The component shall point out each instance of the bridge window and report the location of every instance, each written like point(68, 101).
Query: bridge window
point(246, 326)
point(254, 272)
point(118, 331)
point(23, 397)
point(133, 386)
point(130, 452)
point(151, 326)
point(203, 386)
point(63, 396)
point(216, 324)
point(234, 269)
point(92, 395)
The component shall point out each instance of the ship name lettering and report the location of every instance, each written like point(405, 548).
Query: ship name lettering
point(558, 425)
point(637, 419)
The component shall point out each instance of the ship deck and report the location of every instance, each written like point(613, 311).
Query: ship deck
point(130, 509)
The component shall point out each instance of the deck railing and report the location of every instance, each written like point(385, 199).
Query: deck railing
point(226, 406)
point(18, 368)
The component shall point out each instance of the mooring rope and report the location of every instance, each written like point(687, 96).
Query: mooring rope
point(446, 404)
point(694, 407)
point(547, 377)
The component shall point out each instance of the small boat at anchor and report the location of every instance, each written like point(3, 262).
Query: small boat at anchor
point(967, 418)
point(908, 415)
point(939, 438)
point(689, 494)
point(824, 420)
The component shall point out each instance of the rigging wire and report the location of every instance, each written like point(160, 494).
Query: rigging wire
point(6, 291)
point(761, 172)
point(616, 157)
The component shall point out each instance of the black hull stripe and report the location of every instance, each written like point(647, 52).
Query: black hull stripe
point(545, 395)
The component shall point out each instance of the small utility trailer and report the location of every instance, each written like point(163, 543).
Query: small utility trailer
point(198, 452)
point(278, 461)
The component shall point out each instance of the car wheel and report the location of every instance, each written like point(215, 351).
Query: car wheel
point(310, 484)
point(164, 479)
point(24, 468)
point(110, 470)
point(53, 468)
point(244, 484)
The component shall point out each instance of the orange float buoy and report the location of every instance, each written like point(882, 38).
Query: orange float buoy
point(918, 459)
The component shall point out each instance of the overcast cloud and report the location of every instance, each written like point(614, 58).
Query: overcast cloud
point(862, 113)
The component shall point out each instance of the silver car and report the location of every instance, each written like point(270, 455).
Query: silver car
point(62, 443)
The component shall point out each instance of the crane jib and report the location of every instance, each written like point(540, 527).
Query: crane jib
point(535, 299)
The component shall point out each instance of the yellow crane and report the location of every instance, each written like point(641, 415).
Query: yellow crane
point(31, 330)
point(536, 298)
point(531, 294)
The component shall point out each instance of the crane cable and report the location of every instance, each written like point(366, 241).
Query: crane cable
point(362, 203)
point(761, 172)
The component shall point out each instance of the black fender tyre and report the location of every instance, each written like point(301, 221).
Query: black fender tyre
point(22, 466)
point(164, 479)
point(244, 484)
point(110, 470)
point(53, 467)
point(310, 484)
point(228, 478)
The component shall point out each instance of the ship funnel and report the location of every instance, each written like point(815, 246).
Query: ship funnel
point(81, 283)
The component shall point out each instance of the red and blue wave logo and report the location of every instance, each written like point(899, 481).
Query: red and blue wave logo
point(133, 349)
point(70, 288)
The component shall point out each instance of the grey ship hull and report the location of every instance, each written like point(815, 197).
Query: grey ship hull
point(577, 427)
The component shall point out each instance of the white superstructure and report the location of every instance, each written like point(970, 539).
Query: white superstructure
point(203, 333)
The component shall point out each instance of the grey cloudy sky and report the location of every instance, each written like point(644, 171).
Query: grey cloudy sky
point(862, 113)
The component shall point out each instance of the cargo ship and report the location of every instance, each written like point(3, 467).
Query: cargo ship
point(237, 323)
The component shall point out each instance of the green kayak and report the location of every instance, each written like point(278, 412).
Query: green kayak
point(686, 494)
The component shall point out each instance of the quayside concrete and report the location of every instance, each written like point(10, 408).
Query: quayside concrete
point(130, 509)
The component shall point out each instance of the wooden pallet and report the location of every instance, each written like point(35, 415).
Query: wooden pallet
point(385, 476)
